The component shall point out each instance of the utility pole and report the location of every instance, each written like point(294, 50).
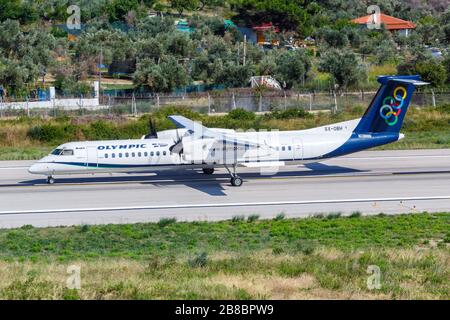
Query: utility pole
point(100, 71)
point(245, 47)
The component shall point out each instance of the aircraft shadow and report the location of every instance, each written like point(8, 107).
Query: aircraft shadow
point(209, 184)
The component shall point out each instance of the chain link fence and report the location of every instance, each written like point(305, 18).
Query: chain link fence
point(218, 103)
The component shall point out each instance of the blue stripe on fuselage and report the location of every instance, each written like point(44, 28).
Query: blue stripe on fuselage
point(357, 142)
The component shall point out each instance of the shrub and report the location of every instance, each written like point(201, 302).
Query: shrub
point(277, 250)
point(199, 261)
point(241, 114)
point(163, 222)
point(333, 215)
point(306, 247)
point(279, 217)
point(237, 218)
point(290, 113)
point(355, 214)
point(253, 217)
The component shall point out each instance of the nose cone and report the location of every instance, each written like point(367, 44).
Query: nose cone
point(38, 168)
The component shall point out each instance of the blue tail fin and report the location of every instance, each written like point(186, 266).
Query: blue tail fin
point(388, 108)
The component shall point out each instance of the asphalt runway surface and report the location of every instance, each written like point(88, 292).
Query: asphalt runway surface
point(371, 182)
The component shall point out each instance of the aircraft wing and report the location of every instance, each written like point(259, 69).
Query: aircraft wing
point(202, 132)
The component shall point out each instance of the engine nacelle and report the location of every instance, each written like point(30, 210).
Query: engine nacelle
point(197, 150)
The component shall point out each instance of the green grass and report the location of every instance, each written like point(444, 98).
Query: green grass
point(23, 153)
point(238, 235)
point(241, 259)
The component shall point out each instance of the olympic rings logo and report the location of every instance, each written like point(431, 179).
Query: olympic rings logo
point(392, 107)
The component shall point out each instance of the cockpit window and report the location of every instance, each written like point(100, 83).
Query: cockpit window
point(62, 152)
point(56, 152)
point(67, 152)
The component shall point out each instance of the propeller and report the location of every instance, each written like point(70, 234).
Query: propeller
point(153, 134)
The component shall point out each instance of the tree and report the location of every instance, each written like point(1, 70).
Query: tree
point(446, 64)
point(178, 44)
point(345, 67)
point(181, 5)
point(163, 77)
point(292, 67)
point(333, 38)
point(287, 14)
point(231, 74)
point(432, 71)
point(118, 9)
point(10, 9)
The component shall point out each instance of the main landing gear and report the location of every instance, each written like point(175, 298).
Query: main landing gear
point(50, 180)
point(236, 181)
point(208, 170)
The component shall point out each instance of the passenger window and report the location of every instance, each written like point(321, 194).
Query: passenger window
point(133, 154)
point(127, 154)
point(164, 153)
point(139, 154)
point(106, 156)
point(152, 154)
point(289, 148)
point(283, 148)
point(113, 155)
point(145, 154)
point(120, 155)
point(158, 154)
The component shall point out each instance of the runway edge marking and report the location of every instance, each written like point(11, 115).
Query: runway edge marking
point(222, 205)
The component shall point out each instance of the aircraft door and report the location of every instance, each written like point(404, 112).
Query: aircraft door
point(297, 149)
point(91, 157)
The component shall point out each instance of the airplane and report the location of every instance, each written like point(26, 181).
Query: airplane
point(191, 145)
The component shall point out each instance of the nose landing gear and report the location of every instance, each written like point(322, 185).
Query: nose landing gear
point(50, 180)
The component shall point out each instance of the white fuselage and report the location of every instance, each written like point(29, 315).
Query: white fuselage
point(146, 155)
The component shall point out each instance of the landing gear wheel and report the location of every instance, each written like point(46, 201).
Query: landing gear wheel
point(208, 170)
point(236, 181)
point(50, 180)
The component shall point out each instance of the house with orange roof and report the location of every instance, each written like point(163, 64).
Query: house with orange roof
point(392, 24)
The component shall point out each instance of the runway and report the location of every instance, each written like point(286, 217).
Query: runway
point(371, 182)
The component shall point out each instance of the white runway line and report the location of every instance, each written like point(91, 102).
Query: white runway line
point(222, 205)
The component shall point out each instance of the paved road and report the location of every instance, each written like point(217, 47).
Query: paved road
point(371, 182)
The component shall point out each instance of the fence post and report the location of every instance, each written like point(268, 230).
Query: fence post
point(260, 103)
point(433, 98)
point(28, 108)
point(335, 101)
point(209, 103)
point(233, 101)
point(310, 102)
point(285, 100)
point(1, 107)
point(157, 101)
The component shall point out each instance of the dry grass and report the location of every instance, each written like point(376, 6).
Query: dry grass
point(406, 274)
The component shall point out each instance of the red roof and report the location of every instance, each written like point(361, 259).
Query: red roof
point(266, 26)
point(391, 23)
